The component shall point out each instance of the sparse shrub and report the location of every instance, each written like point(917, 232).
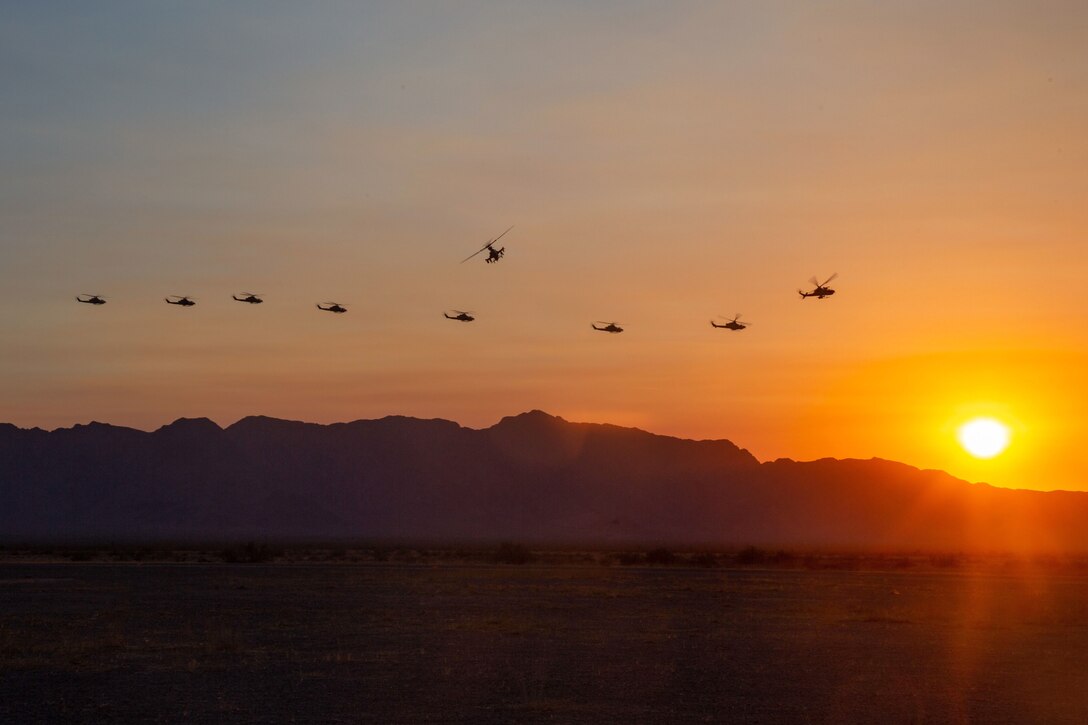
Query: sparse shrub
point(946, 561)
point(660, 556)
point(750, 555)
point(704, 559)
point(250, 553)
point(338, 553)
point(508, 553)
point(782, 557)
point(629, 558)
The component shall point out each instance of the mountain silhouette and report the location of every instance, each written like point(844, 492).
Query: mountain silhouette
point(532, 477)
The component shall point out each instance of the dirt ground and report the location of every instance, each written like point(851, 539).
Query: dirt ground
point(400, 643)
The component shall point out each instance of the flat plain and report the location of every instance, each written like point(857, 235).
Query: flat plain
point(489, 643)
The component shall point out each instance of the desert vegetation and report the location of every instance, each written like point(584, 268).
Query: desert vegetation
point(511, 553)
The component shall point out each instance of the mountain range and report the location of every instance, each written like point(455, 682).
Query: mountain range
point(531, 478)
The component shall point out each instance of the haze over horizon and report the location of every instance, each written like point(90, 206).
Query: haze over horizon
point(662, 164)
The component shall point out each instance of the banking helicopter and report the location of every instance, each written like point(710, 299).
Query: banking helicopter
point(94, 299)
point(249, 297)
point(462, 316)
point(333, 307)
point(608, 326)
point(734, 324)
point(493, 255)
point(184, 301)
point(821, 290)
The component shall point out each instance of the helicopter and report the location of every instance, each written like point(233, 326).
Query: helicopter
point(94, 299)
point(821, 291)
point(608, 326)
point(249, 297)
point(493, 255)
point(333, 307)
point(734, 324)
point(462, 316)
point(184, 301)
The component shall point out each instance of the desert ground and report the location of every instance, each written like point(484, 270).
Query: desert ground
point(578, 639)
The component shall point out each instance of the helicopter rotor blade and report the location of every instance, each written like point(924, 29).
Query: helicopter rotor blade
point(501, 235)
point(476, 252)
point(826, 281)
point(813, 280)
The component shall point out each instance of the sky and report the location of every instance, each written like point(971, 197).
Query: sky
point(662, 163)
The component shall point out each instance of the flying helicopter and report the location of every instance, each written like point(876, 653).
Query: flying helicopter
point(493, 255)
point(734, 324)
point(184, 301)
point(94, 299)
point(462, 316)
point(821, 290)
point(333, 307)
point(249, 297)
point(608, 326)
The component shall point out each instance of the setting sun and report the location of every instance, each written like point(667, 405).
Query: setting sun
point(983, 437)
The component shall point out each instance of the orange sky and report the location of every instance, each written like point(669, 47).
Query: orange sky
point(661, 166)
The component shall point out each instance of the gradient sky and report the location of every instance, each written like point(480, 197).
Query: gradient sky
point(662, 162)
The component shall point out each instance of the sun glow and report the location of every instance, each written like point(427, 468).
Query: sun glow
point(983, 437)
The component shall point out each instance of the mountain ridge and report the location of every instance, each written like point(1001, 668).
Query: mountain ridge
point(531, 477)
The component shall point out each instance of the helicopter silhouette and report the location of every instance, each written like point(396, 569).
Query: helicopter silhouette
point(94, 299)
point(734, 324)
point(462, 316)
point(608, 327)
point(333, 307)
point(493, 255)
point(184, 301)
point(821, 290)
point(249, 297)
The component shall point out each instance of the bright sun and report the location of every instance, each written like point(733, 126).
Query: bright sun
point(983, 437)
